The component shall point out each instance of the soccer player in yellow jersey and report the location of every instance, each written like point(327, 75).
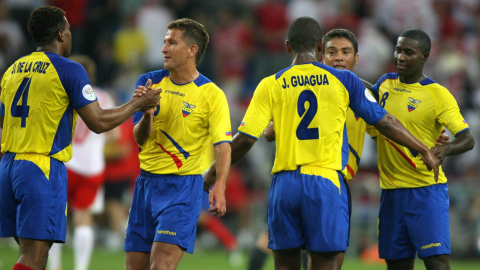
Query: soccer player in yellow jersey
point(173, 138)
point(307, 102)
point(413, 216)
point(41, 95)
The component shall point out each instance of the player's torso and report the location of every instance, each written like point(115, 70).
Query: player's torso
point(36, 106)
point(415, 107)
point(180, 130)
point(309, 109)
point(356, 127)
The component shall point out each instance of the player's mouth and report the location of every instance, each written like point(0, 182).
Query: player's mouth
point(165, 58)
point(340, 66)
point(401, 66)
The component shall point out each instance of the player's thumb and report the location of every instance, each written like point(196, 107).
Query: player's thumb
point(149, 83)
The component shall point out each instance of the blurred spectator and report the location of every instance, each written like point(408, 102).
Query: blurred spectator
point(12, 41)
point(152, 19)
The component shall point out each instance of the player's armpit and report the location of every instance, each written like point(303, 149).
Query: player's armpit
point(269, 133)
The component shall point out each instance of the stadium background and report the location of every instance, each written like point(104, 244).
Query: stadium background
point(125, 38)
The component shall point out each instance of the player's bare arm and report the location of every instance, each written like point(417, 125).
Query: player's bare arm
point(464, 142)
point(394, 130)
point(216, 198)
point(99, 120)
point(241, 144)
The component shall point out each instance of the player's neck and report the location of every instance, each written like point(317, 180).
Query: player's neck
point(184, 75)
point(413, 78)
point(49, 48)
point(303, 57)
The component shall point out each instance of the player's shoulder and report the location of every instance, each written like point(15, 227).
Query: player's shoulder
point(65, 63)
point(156, 76)
point(435, 88)
point(387, 76)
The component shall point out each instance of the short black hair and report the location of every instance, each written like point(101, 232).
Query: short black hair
point(44, 24)
point(420, 36)
point(195, 32)
point(340, 33)
point(304, 33)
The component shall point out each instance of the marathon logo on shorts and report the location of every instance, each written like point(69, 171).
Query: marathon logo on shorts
point(432, 245)
point(187, 109)
point(167, 232)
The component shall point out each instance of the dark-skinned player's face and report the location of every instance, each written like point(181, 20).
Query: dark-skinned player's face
point(67, 40)
point(339, 53)
point(175, 50)
point(408, 56)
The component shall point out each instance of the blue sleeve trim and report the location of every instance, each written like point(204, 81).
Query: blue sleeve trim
point(248, 135)
point(458, 133)
point(2, 109)
point(355, 154)
point(230, 142)
point(278, 74)
point(427, 81)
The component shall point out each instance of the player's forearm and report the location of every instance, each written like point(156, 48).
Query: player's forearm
point(143, 129)
point(241, 144)
point(463, 143)
point(395, 131)
point(223, 153)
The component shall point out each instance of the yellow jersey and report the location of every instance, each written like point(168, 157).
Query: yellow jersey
point(308, 106)
point(424, 108)
point(39, 98)
point(189, 116)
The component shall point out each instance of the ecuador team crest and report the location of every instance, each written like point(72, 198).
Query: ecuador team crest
point(412, 104)
point(187, 109)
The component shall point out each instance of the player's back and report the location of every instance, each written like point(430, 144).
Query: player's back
point(39, 94)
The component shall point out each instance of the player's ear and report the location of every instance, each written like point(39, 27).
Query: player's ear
point(425, 57)
point(193, 50)
point(61, 36)
point(288, 46)
point(320, 47)
point(357, 57)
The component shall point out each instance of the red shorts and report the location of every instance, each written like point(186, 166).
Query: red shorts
point(82, 189)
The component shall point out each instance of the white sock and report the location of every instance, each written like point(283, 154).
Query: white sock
point(83, 240)
point(55, 257)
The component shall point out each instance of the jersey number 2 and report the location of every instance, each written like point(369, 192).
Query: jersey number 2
point(21, 110)
point(303, 132)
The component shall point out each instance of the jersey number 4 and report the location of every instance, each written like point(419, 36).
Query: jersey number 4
point(303, 131)
point(21, 110)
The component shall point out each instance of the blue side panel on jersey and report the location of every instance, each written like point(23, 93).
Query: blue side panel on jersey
point(376, 86)
point(2, 109)
point(63, 137)
point(201, 80)
point(426, 81)
point(281, 72)
point(73, 78)
point(345, 147)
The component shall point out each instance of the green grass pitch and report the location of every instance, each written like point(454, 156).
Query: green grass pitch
point(201, 260)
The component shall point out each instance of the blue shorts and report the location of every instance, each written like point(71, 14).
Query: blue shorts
point(33, 197)
point(307, 211)
point(413, 220)
point(165, 208)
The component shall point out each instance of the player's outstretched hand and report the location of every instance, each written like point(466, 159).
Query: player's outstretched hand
point(432, 162)
point(217, 202)
point(443, 138)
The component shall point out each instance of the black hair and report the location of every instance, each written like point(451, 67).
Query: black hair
point(340, 33)
point(304, 33)
point(44, 24)
point(421, 37)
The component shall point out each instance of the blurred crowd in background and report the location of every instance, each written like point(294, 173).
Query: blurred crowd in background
point(125, 39)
